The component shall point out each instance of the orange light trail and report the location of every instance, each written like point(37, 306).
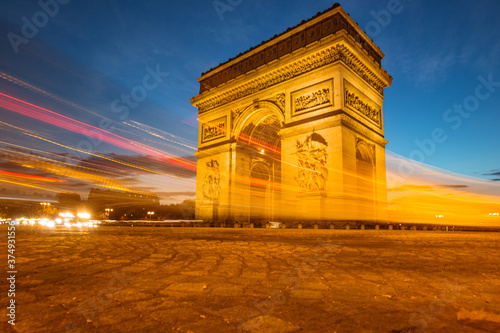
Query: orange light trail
point(247, 139)
point(80, 172)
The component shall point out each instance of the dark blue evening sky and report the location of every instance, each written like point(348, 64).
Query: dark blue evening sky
point(91, 52)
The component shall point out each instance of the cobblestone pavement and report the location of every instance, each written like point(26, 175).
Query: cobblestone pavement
point(132, 279)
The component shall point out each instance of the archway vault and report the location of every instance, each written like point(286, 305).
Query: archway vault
point(258, 160)
point(259, 119)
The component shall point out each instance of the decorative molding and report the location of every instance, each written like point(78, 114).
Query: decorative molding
point(277, 99)
point(236, 113)
point(358, 127)
point(362, 104)
point(322, 58)
point(272, 49)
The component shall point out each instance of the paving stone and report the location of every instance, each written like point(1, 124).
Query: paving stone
point(227, 291)
point(216, 280)
point(306, 294)
point(194, 273)
point(314, 286)
point(268, 324)
point(179, 288)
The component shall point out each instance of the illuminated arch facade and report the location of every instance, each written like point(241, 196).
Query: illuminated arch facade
point(293, 129)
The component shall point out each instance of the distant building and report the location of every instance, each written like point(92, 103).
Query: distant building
point(101, 199)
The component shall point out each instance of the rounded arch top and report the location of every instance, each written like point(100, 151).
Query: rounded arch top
point(364, 152)
point(257, 112)
point(260, 170)
point(260, 123)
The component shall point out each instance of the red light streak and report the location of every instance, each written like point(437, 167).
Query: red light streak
point(28, 176)
point(53, 118)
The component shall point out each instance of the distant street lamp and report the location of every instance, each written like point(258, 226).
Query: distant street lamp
point(47, 209)
point(108, 211)
point(151, 214)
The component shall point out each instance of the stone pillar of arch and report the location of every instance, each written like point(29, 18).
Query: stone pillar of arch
point(298, 122)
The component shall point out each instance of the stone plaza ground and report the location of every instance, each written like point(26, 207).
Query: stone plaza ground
point(144, 279)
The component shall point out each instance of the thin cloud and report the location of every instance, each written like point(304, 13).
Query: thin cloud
point(492, 173)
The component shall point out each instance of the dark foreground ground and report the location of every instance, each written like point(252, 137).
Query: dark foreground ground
point(132, 279)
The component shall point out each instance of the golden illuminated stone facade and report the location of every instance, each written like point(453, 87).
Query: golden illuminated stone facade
point(293, 128)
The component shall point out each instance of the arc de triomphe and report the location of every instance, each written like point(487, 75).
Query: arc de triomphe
point(293, 128)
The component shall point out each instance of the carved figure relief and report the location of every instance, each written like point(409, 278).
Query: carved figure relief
point(279, 99)
point(312, 99)
point(211, 182)
point(312, 157)
point(236, 114)
point(355, 102)
point(214, 129)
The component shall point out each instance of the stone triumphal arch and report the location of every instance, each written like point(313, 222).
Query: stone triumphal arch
point(293, 128)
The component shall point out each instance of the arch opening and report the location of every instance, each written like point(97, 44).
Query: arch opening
point(261, 149)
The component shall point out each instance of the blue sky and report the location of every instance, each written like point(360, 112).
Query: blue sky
point(90, 53)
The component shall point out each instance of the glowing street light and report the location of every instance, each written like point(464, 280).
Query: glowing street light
point(108, 211)
point(151, 214)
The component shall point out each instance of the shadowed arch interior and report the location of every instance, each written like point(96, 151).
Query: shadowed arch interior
point(262, 132)
point(262, 142)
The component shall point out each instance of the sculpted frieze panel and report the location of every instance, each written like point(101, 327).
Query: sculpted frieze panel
point(214, 129)
point(357, 101)
point(312, 157)
point(211, 181)
point(312, 98)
